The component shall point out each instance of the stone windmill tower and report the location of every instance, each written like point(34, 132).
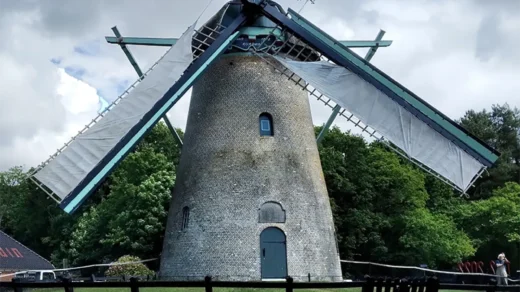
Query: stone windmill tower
point(250, 201)
point(252, 176)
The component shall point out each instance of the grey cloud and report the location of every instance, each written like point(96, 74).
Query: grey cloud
point(506, 6)
point(492, 41)
point(71, 18)
point(23, 117)
point(345, 9)
point(8, 7)
point(437, 57)
point(488, 37)
point(27, 91)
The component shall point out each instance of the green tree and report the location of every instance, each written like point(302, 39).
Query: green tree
point(129, 266)
point(494, 223)
point(434, 239)
point(345, 167)
point(26, 212)
point(442, 199)
point(385, 209)
point(499, 128)
point(380, 206)
point(131, 217)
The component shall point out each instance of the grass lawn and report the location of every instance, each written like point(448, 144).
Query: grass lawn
point(196, 290)
point(202, 290)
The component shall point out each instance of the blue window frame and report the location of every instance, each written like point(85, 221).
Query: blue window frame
point(266, 125)
point(185, 217)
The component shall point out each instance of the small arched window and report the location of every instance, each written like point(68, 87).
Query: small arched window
point(185, 217)
point(266, 125)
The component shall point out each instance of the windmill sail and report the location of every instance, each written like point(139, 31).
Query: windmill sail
point(423, 133)
point(418, 129)
point(75, 172)
point(63, 173)
point(416, 138)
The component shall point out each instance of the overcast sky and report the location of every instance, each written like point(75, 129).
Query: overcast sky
point(56, 70)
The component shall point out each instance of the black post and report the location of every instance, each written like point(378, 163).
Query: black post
point(415, 284)
point(422, 285)
point(396, 282)
point(309, 276)
point(404, 285)
point(388, 285)
point(134, 284)
point(492, 285)
point(289, 287)
point(368, 286)
point(208, 287)
point(432, 285)
point(67, 285)
point(15, 281)
point(380, 282)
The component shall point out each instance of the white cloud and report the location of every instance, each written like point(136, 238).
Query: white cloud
point(81, 104)
point(178, 115)
point(437, 53)
point(77, 96)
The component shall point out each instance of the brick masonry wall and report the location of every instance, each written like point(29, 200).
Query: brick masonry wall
point(227, 171)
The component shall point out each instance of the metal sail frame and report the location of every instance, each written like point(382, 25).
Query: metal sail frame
point(328, 49)
point(337, 110)
point(97, 175)
point(165, 42)
point(342, 56)
point(311, 36)
point(139, 72)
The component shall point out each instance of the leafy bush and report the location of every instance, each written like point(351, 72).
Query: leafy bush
point(134, 269)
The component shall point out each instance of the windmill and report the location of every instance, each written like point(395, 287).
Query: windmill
point(250, 200)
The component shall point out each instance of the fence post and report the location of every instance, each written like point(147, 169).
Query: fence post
point(289, 287)
point(380, 282)
point(208, 285)
point(394, 284)
point(422, 285)
point(67, 285)
point(368, 286)
point(404, 286)
point(134, 284)
point(309, 276)
point(415, 284)
point(432, 284)
point(388, 284)
point(15, 281)
point(492, 285)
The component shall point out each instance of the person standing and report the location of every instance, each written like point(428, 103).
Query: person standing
point(501, 271)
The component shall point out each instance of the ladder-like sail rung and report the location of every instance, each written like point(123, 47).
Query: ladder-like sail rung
point(438, 146)
point(127, 119)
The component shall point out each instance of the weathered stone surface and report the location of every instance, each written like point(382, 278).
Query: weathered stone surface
point(227, 171)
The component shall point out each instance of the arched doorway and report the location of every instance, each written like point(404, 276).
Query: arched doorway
point(273, 254)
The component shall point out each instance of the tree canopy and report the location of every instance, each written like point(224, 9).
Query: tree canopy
point(385, 209)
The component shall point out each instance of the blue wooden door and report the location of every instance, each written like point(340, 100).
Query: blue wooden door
point(273, 254)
